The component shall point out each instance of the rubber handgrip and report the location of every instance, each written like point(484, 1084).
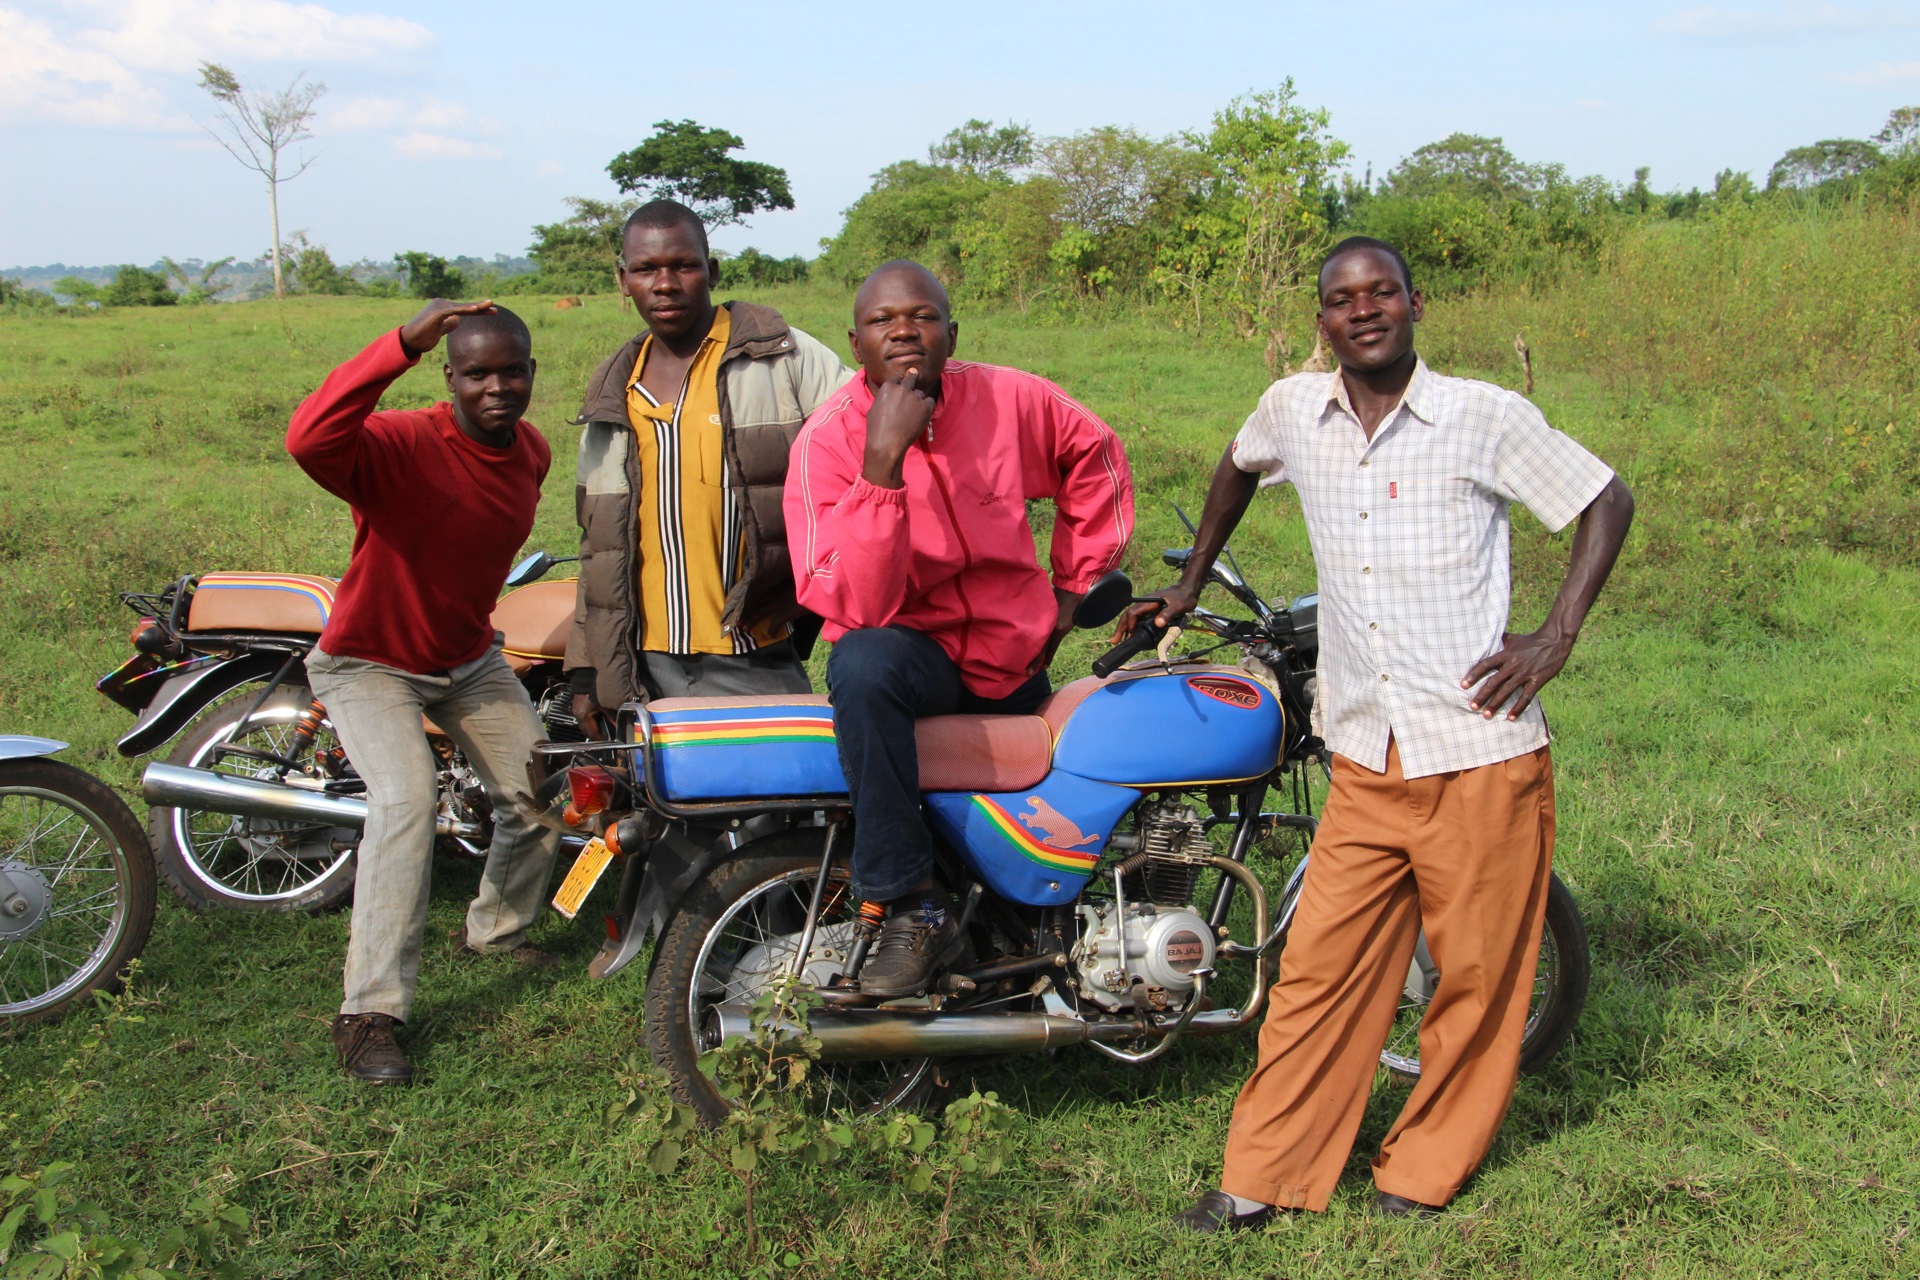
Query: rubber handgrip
point(1145, 636)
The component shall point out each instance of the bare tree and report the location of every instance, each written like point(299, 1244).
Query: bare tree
point(262, 126)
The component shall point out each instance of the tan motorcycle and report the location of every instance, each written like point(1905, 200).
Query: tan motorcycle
point(257, 807)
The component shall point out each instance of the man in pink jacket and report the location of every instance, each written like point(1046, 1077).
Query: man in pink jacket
point(906, 514)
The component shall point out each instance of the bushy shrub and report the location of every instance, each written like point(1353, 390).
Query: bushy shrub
point(578, 253)
point(314, 271)
point(429, 276)
point(16, 297)
point(137, 287)
point(751, 268)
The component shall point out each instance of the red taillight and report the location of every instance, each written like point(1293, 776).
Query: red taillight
point(591, 789)
point(150, 637)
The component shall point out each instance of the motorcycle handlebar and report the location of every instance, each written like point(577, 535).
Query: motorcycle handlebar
point(1145, 636)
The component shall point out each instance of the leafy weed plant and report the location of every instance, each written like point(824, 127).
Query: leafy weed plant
point(775, 1120)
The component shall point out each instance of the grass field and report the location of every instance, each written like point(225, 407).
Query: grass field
point(1736, 752)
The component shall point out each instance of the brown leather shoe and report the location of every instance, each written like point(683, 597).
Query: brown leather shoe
point(368, 1049)
point(525, 954)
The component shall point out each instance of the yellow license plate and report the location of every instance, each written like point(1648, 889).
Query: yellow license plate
point(586, 873)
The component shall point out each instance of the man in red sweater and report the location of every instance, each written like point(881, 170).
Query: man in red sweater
point(442, 500)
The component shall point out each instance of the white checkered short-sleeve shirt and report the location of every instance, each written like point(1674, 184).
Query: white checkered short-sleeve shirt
point(1410, 534)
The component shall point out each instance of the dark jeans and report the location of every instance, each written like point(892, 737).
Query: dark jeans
point(882, 679)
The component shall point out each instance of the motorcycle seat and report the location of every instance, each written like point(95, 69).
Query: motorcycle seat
point(535, 620)
point(792, 736)
point(299, 603)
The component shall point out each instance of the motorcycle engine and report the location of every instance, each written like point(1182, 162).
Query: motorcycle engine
point(555, 710)
point(1165, 939)
point(1164, 946)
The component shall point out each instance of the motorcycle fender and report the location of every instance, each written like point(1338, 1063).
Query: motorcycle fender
point(185, 696)
point(20, 746)
point(677, 861)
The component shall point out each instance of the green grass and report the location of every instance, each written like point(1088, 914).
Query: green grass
point(1736, 751)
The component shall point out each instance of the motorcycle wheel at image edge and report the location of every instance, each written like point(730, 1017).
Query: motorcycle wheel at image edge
point(84, 876)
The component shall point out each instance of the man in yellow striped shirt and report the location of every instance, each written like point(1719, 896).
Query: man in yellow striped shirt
point(686, 585)
point(690, 545)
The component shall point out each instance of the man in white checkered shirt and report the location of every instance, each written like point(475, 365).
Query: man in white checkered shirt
point(1441, 810)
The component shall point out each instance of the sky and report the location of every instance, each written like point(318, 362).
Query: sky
point(453, 127)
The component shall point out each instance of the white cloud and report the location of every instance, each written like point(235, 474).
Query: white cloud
point(419, 129)
point(176, 35)
point(1786, 19)
point(384, 114)
point(439, 146)
point(107, 62)
point(40, 74)
point(1879, 73)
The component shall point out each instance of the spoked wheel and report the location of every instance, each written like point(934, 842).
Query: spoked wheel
point(739, 930)
point(1559, 987)
point(219, 860)
point(76, 902)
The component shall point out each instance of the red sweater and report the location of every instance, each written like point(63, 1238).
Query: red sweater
point(437, 516)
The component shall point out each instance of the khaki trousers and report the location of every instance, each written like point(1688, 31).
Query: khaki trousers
point(1467, 855)
point(376, 710)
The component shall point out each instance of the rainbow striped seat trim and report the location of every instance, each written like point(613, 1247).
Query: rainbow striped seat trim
point(262, 601)
point(746, 753)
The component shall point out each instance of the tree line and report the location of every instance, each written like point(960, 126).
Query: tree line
point(1227, 220)
point(1223, 223)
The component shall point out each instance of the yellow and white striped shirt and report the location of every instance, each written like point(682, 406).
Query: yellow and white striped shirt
point(692, 546)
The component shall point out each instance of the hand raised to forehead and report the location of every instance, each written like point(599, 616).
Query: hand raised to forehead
point(438, 319)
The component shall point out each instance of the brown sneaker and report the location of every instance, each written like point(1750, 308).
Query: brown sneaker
point(368, 1050)
point(525, 954)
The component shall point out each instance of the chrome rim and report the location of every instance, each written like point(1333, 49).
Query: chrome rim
point(754, 940)
point(259, 859)
point(58, 843)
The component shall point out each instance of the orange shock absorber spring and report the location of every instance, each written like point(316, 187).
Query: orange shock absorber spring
point(307, 727)
point(867, 922)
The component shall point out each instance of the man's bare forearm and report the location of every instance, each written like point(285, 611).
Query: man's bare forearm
point(1596, 545)
point(1228, 497)
point(1524, 664)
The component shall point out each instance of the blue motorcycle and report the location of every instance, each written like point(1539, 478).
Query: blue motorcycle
point(1122, 885)
point(76, 882)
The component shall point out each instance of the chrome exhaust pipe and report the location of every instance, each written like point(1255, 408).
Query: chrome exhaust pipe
point(175, 786)
point(869, 1035)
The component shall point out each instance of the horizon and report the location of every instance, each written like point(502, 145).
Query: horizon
point(436, 135)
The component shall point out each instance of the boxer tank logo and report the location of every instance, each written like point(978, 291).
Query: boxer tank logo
point(1235, 693)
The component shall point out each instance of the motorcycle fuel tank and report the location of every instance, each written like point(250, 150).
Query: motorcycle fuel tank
point(1181, 727)
point(1037, 845)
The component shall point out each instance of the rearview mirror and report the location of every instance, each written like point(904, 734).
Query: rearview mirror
point(531, 569)
point(1104, 601)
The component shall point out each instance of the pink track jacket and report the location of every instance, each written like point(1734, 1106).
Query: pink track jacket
point(951, 554)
